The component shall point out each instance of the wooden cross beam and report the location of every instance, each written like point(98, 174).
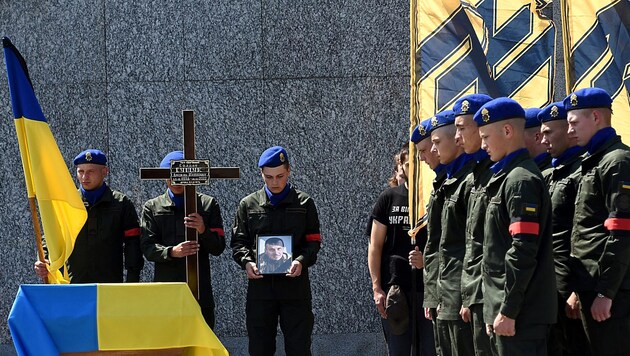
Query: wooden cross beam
point(190, 172)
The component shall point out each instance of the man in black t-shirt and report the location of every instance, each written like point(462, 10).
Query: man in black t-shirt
point(388, 255)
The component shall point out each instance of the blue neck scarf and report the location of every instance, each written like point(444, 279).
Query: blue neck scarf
point(178, 200)
point(565, 156)
point(457, 164)
point(480, 155)
point(497, 167)
point(541, 157)
point(277, 198)
point(440, 167)
point(599, 139)
point(92, 196)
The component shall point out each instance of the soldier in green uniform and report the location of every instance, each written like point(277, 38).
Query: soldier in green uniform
point(421, 137)
point(520, 300)
point(164, 241)
point(456, 335)
point(467, 135)
point(110, 239)
point(537, 151)
point(566, 336)
point(600, 242)
point(277, 209)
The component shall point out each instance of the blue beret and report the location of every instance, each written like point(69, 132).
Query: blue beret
point(273, 157)
point(588, 98)
point(531, 118)
point(422, 131)
point(91, 156)
point(173, 156)
point(554, 111)
point(469, 104)
point(443, 118)
point(498, 109)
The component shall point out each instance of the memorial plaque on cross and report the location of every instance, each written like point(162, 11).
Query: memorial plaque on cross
point(190, 172)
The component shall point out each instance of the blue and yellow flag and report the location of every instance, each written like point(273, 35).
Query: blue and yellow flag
point(57, 319)
point(596, 37)
point(60, 206)
point(498, 47)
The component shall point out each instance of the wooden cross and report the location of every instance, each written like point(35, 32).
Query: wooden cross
point(201, 175)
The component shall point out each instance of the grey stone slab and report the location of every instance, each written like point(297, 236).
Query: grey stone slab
point(298, 38)
point(330, 38)
point(60, 43)
point(68, 45)
point(7, 350)
point(222, 39)
point(144, 40)
point(77, 116)
point(370, 38)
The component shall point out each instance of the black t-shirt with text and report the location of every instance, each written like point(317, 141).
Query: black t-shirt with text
point(392, 210)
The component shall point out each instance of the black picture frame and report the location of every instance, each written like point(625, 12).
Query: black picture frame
point(267, 260)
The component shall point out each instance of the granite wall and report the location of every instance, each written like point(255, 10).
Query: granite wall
point(329, 80)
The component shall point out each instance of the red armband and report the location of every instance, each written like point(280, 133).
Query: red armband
point(617, 224)
point(133, 232)
point(314, 237)
point(523, 227)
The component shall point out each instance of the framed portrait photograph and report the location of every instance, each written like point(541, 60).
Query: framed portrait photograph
point(275, 254)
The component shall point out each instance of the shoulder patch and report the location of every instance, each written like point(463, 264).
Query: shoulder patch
point(530, 209)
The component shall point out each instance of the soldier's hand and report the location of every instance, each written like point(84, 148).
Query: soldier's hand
point(489, 330)
point(427, 314)
point(601, 308)
point(184, 249)
point(295, 270)
point(195, 221)
point(41, 268)
point(252, 271)
point(504, 326)
point(572, 307)
point(379, 300)
point(416, 259)
point(465, 314)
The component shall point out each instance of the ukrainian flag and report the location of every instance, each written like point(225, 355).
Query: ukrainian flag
point(47, 178)
point(596, 37)
point(57, 319)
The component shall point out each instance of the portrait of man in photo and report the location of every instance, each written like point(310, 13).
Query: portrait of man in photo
point(275, 256)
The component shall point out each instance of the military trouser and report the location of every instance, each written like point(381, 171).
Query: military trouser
point(612, 336)
point(528, 341)
point(481, 340)
point(436, 330)
point(567, 337)
point(296, 322)
point(456, 338)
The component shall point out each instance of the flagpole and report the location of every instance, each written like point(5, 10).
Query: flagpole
point(38, 233)
point(412, 183)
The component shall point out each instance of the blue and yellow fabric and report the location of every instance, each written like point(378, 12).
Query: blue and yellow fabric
point(47, 177)
point(55, 319)
point(596, 35)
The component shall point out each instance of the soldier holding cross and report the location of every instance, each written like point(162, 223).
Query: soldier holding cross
point(163, 237)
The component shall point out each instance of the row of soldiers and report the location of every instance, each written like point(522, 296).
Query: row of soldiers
point(528, 227)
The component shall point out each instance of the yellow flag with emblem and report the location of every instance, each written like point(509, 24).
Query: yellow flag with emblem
point(596, 36)
point(500, 48)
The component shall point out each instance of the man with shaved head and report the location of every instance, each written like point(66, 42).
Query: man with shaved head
point(518, 277)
